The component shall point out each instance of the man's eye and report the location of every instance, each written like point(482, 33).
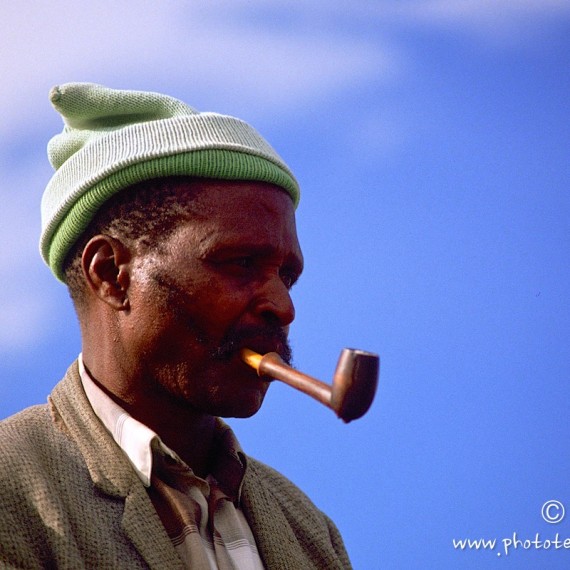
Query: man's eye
point(245, 262)
point(288, 279)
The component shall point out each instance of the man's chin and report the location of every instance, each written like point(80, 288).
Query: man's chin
point(246, 407)
point(228, 389)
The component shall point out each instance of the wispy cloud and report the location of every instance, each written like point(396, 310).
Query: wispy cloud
point(138, 43)
point(268, 55)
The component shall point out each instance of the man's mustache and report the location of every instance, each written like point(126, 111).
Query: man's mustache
point(263, 338)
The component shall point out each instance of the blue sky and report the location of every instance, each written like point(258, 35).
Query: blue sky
point(431, 141)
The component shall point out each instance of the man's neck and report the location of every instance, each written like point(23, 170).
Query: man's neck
point(187, 432)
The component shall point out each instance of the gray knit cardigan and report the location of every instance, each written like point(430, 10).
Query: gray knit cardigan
point(70, 499)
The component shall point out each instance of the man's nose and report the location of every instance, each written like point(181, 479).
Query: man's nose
point(274, 303)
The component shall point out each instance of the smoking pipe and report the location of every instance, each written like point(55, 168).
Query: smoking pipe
point(354, 382)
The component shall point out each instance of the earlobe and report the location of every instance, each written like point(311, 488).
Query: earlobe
point(105, 263)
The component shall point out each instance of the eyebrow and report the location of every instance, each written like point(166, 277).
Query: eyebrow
point(291, 260)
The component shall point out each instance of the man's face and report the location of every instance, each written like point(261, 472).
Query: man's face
point(219, 283)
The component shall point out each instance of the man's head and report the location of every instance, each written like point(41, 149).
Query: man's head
point(172, 275)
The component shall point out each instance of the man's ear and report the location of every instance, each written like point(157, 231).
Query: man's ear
point(105, 264)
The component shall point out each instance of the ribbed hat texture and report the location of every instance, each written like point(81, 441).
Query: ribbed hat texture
point(115, 138)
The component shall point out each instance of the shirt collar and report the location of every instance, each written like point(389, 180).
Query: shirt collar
point(133, 437)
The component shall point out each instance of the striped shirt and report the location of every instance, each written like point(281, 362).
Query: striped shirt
point(201, 516)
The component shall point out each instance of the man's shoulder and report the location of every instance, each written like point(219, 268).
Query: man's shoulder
point(276, 504)
point(27, 441)
point(35, 429)
point(25, 428)
point(33, 413)
point(273, 479)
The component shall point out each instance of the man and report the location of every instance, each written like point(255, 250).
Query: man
point(175, 233)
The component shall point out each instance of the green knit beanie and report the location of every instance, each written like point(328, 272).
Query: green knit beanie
point(114, 138)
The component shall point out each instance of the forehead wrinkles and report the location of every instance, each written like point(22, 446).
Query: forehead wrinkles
point(231, 228)
point(232, 201)
point(206, 214)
